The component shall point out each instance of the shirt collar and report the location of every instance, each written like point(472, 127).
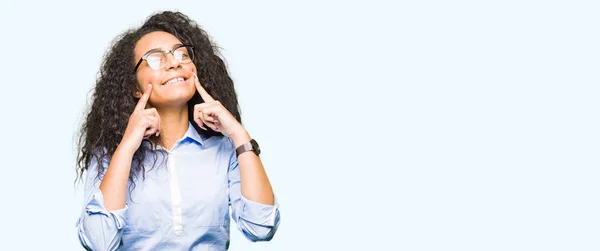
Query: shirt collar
point(193, 134)
point(190, 134)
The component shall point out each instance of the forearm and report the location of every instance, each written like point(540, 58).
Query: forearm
point(254, 181)
point(114, 183)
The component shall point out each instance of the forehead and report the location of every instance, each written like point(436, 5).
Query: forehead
point(153, 40)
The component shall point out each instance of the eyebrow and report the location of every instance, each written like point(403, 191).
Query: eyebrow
point(159, 49)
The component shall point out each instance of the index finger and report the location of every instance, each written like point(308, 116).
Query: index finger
point(202, 92)
point(141, 105)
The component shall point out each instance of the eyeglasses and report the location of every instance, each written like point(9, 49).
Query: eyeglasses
point(157, 59)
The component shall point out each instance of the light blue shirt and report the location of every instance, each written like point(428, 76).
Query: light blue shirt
point(182, 204)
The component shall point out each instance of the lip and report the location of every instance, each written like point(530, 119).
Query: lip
point(172, 77)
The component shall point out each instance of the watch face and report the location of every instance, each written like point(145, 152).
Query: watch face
point(255, 147)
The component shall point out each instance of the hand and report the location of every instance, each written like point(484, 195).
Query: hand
point(214, 115)
point(142, 124)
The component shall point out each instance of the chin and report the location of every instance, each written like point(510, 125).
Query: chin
point(174, 99)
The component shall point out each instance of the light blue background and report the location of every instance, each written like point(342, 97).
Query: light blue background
point(414, 125)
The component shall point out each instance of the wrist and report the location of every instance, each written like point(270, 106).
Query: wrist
point(240, 137)
point(125, 149)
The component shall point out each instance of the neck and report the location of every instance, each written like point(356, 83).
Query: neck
point(173, 125)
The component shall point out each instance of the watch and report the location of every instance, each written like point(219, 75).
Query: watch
point(250, 146)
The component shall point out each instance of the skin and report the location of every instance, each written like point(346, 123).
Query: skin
point(161, 115)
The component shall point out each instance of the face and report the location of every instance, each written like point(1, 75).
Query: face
point(173, 85)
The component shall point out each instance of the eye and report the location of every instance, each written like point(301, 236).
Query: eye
point(154, 60)
point(181, 54)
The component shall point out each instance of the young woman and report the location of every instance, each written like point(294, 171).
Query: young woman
point(164, 150)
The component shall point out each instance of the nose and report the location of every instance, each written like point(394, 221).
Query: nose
point(172, 62)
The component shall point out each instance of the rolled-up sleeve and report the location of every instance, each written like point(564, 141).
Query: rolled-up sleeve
point(98, 228)
point(258, 222)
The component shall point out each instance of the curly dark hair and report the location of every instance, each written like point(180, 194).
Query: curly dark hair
point(113, 100)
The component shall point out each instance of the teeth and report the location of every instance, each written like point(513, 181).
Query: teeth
point(173, 81)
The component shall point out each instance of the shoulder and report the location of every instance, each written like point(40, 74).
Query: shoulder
point(221, 142)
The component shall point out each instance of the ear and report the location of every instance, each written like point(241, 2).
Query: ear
point(137, 94)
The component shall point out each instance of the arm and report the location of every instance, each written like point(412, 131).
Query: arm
point(101, 224)
point(142, 124)
point(255, 184)
point(255, 217)
point(254, 207)
point(97, 227)
point(114, 183)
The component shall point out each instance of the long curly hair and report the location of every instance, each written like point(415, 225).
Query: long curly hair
point(113, 100)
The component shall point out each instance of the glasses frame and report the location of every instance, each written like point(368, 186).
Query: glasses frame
point(165, 53)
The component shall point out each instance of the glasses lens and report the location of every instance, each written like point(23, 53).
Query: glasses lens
point(184, 54)
point(156, 60)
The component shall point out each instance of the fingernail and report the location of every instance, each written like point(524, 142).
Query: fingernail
point(203, 128)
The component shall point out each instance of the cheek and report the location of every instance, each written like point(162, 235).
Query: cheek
point(191, 67)
point(192, 88)
point(145, 78)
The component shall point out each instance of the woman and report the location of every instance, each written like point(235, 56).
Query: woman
point(164, 150)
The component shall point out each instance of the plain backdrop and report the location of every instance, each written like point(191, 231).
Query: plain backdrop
point(399, 125)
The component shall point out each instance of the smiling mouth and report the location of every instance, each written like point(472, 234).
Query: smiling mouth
point(173, 81)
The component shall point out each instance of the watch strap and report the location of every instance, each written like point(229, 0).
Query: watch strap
point(245, 148)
